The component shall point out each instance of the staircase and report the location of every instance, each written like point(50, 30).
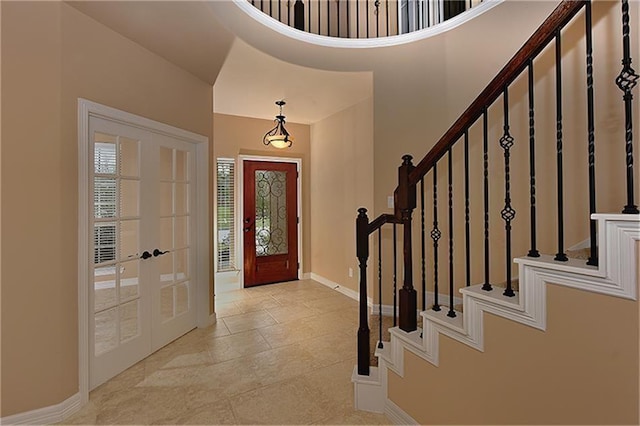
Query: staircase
point(610, 270)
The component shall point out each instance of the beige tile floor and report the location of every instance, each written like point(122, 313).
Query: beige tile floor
point(278, 354)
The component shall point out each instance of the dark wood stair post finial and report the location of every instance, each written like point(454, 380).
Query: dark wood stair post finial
point(362, 252)
point(405, 198)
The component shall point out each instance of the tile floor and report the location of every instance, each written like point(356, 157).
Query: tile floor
point(279, 354)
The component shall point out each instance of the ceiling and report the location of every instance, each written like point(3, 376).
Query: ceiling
point(246, 81)
point(251, 81)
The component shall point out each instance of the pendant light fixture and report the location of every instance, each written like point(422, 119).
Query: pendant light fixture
point(278, 137)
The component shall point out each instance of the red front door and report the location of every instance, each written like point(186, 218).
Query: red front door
point(270, 222)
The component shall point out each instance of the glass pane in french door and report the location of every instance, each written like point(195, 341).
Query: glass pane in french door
point(175, 216)
point(116, 229)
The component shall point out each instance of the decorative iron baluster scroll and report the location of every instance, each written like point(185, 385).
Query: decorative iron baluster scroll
point(507, 213)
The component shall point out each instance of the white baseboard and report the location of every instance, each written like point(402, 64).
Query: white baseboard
point(306, 276)
point(397, 415)
point(339, 288)
point(46, 415)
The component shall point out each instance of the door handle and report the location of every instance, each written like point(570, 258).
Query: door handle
point(145, 255)
point(157, 252)
point(247, 221)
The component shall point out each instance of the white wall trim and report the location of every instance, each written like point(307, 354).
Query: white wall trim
point(239, 189)
point(355, 295)
point(615, 276)
point(46, 415)
point(397, 415)
point(87, 109)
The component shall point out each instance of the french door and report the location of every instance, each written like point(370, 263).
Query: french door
point(270, 222)
point(143, 294)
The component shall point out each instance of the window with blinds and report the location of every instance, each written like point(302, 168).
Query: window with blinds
point(104, 201)
point(226, 214)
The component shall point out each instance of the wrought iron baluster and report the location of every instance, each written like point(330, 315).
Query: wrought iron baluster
point(408, 23)
point(357, 18)
point(319, 18)
point(560, 256)
point(593, 256)
point(626, 81)
point(348, 19)
point(279, 11)
point(328, 18)
point(533, 252)
point(387, 16)
point(451, 312)
point(367, 4)
point(380, 287)
point(422, 246)
point(395, 276)
point(435, 236)
point(376, 4)
point(310, 15)
point(467, 232)
point(507, 213)
point(338, 15)
point(485, 153)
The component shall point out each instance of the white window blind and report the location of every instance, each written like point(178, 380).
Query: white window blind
point(105, 201)
point(226, 214)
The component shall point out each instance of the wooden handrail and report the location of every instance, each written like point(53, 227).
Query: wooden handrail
point(381, 220)
point(534, 45)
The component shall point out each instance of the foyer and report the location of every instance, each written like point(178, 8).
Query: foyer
point(278, 354)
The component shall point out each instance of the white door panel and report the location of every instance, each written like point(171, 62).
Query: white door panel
point(142, 297)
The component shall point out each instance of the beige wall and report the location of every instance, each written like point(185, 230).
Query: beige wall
point(234, 135)
point(51, 55)
point(582, 370)
point(341, 182)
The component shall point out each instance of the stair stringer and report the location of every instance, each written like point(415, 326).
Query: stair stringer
point(616, 276)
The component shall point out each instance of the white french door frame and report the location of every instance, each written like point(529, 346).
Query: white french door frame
point(87, 109)
point(239, 214)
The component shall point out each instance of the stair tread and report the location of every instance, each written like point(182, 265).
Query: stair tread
point(495, 296)
point(547, 261)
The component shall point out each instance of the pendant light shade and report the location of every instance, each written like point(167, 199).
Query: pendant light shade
point(278, 137)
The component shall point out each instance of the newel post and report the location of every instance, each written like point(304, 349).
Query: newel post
point(405, 201)
point(362, 252)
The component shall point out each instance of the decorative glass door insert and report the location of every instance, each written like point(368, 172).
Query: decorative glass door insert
point(270, 222)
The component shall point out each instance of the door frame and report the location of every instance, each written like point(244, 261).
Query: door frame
point(240, 192)
point(87, 109)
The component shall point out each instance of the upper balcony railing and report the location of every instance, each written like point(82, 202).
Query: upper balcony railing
point(362, 18)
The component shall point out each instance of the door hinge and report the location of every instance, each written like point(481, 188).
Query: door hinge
point(297, 220)
point(298, 265)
